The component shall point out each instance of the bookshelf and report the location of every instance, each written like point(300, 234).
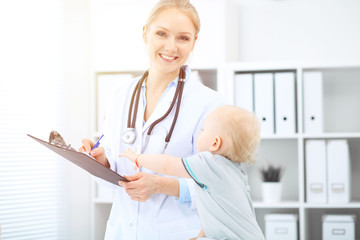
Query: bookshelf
point(341, 87)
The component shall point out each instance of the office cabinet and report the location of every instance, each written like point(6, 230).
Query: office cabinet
point(338, 101)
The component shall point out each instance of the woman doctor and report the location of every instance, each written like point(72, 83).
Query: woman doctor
point(153, 206)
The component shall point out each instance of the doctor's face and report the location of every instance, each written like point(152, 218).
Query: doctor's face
point(170, 38)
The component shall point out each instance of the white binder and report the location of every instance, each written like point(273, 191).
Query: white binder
point(244, 91)
point(313, 102)
point(339, 172)
point(285, 103)
point(315, 157)
point(264, 101)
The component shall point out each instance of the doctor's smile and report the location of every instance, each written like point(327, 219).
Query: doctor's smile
point(167, 58)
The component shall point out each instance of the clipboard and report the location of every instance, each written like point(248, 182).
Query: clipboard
point(84, 161)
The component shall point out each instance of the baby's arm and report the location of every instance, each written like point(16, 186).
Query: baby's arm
point(160, 163)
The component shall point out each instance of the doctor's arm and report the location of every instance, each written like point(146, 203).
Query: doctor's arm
point(143, 185)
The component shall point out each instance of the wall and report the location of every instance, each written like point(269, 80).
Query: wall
point(116, 34)
point(279, 30)
point(78, 107)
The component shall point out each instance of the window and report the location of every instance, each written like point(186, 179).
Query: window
point(32, 193)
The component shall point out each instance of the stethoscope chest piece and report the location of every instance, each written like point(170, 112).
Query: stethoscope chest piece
point(129, 136)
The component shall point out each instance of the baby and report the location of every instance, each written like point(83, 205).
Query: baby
point(230, 137)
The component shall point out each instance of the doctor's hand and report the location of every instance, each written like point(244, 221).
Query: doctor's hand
point(97, 153)
point(141, 186)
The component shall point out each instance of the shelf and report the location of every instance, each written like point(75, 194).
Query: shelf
point(288, 65)
point(332, 205)
point(294, 204)
point(270, 137)
point(341, 86)
point(284, 204)
point(103, 201)
point(332, 135)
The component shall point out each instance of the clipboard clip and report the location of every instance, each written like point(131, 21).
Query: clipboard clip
point(56, 139)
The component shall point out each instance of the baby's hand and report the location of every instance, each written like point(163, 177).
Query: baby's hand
point(131, 155)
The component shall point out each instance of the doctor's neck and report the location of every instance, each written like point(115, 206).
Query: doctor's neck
point(160, 80)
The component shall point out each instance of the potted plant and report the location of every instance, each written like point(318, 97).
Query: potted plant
point(271, 186)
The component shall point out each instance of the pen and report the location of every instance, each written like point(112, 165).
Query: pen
point(97, 143)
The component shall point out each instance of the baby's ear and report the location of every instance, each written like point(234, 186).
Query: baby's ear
point(216, 144)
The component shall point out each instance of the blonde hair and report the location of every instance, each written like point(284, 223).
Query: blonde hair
point(183, 5)
point(241, 130)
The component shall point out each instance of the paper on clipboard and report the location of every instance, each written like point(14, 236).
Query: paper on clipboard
point(84, 161)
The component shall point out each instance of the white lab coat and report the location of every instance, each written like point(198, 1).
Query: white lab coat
point(161, 216)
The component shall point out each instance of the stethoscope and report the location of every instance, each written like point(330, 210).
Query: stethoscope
point(129, 135)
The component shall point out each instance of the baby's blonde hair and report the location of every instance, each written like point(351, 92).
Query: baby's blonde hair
point(183, 5)
point(241, 130)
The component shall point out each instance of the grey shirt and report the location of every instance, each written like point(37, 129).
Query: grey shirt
point(223, 198)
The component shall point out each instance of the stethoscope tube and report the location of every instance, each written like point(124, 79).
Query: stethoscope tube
point(181, 83)
point(129, 135)
point(131, 124)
